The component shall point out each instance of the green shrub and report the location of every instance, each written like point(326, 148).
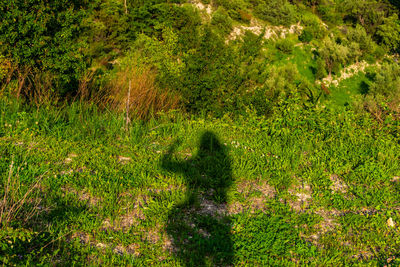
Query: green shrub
point(359, 36)
point(285, 45)
point(320, 71)
point(236, 9)
point(280, 86)
point(386, 81)
point(313, 26)
point(222, 21)
point(277, 12)
point(389, 33)
point(39, 36)
point(5, 66)
point(306, 36)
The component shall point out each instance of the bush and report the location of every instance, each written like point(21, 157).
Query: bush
point(235, 8)
point(5, 68)
point(279, 88)
point(277, 12)
point(285, 45)
point(306, 36)
point(386, 82)
point(383, 92)
point(313, 26)
point(39, 36)
point(133, 90)
point(222, 21)
point(389, 33)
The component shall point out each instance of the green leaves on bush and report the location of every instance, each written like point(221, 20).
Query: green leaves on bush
point(277, 12)
point(42, 36)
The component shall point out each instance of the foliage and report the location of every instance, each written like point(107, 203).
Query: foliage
point(285, 45)
point(369, 13)
point(278, 89)
point(386, 81)
point(333, 54)
point(222, 21)
point(306, 36)
point(5, 67)
point(388, 33)
point(277, 12)
point(235, 8)
point(133, 90)
point(40, 36)
point(313, 26)
point(113, 197)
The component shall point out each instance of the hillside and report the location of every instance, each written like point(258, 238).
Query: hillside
point(200, 132)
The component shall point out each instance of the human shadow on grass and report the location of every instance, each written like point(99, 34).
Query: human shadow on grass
point(198, 226)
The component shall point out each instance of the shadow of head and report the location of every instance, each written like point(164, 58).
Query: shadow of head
point(210, 145)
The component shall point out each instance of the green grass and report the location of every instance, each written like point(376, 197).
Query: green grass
point(342, 94)
point(307, 187)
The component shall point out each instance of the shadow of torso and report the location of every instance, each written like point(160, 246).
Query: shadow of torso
point(199, 225)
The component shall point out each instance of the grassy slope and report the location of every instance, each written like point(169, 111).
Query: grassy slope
point(305, 187)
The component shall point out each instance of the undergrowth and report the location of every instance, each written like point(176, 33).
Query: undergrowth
point(307, 186)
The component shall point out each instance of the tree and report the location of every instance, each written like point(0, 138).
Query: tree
point(359, 35)
point(40, 36)
point(332, 53)
point(369, 13)
point(278, 12)
point(389, 33)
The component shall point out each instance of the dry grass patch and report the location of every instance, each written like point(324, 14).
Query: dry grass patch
point(303, 197)
point(337, 185)
point(134, 91)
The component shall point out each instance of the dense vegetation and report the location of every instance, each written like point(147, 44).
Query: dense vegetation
point(199, 132)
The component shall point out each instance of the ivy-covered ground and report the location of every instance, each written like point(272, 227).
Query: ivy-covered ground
point(318, 186)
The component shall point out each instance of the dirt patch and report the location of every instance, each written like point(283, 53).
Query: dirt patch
point(209, 207)
point(84, 196)
point(247, 187)
point(337, 185)
point(303, 197)
point(267, 190)
point(168, 244)
point(133, 216)
point(84, 238)
point(256, 204)
point(328, 222)
point(152, 236)
point(87, 239)
point(168, 189)
point(252, 204)
point(235, 208)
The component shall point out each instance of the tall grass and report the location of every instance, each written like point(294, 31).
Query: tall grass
point(144, 98)
point(15, 202)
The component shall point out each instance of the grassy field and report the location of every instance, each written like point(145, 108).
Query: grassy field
point(308, 187)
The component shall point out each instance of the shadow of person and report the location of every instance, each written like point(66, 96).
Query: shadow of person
point(199, 226)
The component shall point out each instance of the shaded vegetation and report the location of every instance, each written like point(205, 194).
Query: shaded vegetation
point(199, 133)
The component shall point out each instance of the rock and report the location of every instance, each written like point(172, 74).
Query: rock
point(124, 160)
point(390, 222)
point(101, 245)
